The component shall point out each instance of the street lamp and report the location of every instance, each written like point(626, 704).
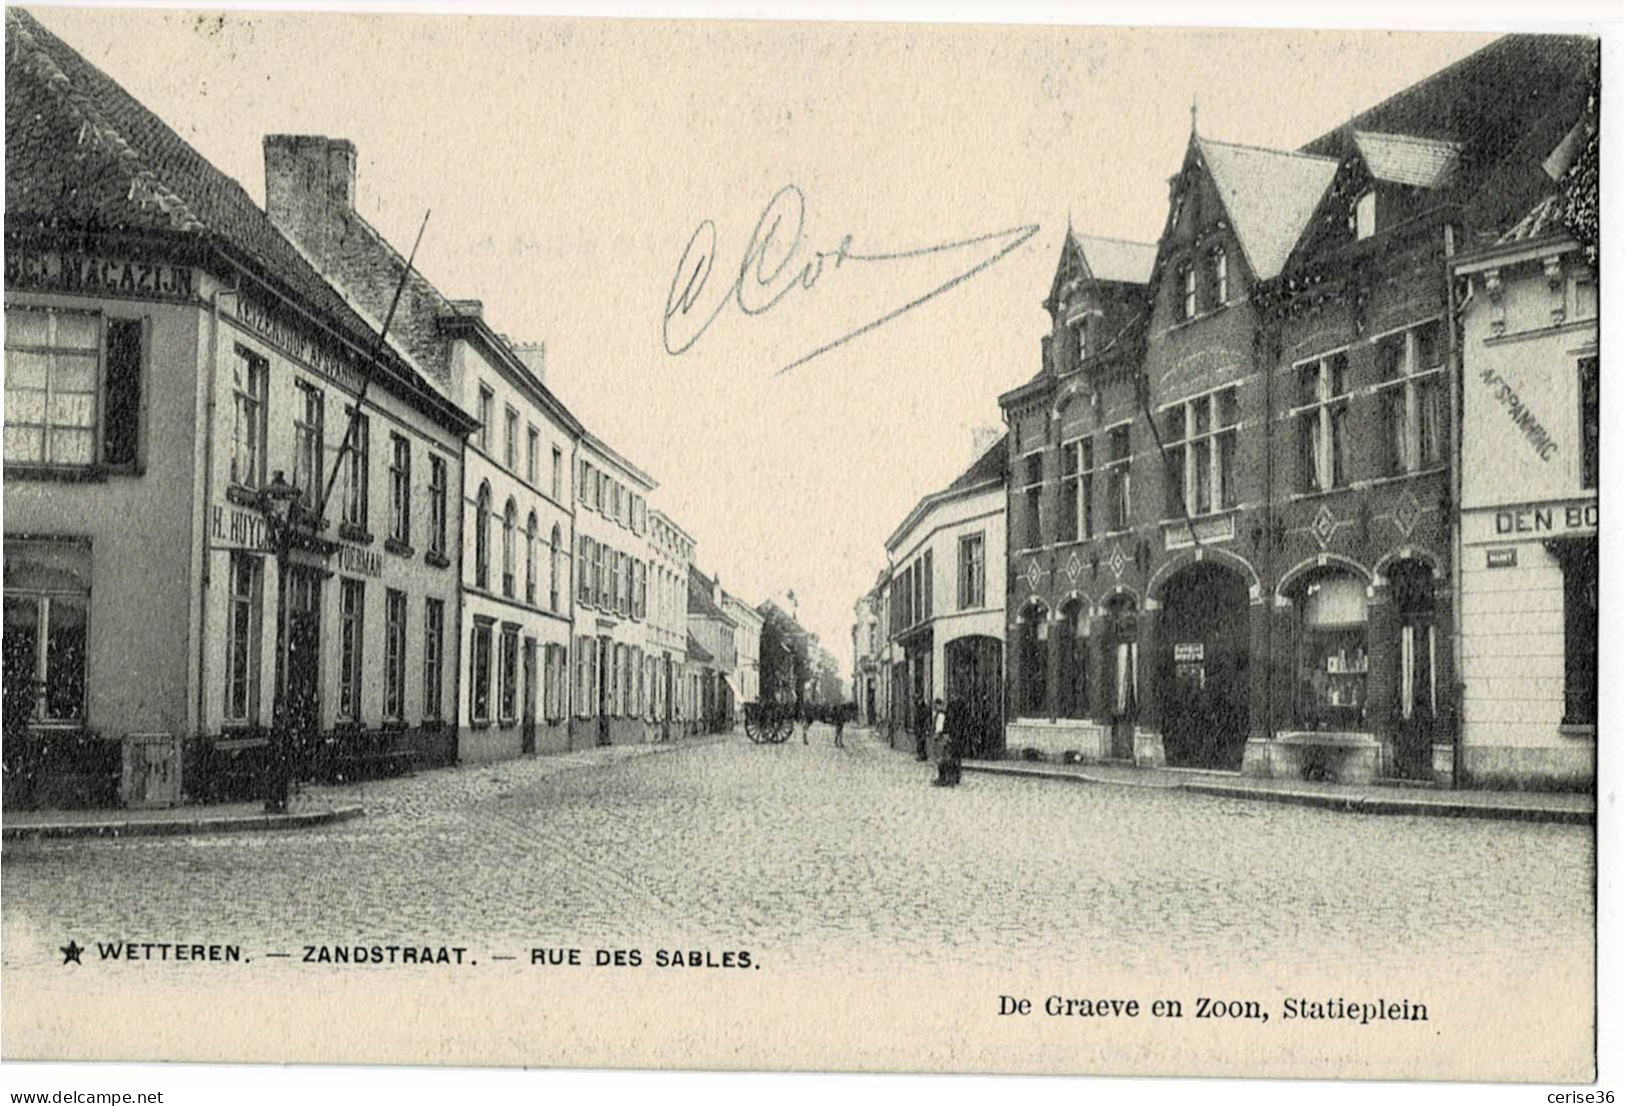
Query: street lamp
point(276, 501)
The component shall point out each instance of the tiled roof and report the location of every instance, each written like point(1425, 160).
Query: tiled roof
point(989, 466)
point(699, 596)
point(1405, 159)
point(1114, 259)
point(1270, 195)
point(83, 155)
point(698, 652)
point(1546, 217)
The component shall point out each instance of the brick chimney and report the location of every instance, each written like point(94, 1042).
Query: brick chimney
point(309, 188)
point(534, 355)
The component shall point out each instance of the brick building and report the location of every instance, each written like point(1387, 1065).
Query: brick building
point(1231, 494)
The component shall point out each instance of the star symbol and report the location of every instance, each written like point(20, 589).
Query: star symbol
point(71, 951)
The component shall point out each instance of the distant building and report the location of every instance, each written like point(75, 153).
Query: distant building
point(748, 649)
point(710, 627)
point(671, 554)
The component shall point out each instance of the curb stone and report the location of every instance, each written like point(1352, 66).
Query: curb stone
point(1349, 804)
point(182, 826)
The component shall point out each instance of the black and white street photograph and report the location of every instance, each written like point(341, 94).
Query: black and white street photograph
point(812, 544)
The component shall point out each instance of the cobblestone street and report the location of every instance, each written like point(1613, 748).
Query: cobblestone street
point(814, 855)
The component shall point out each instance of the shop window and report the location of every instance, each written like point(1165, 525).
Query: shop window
point(1589, 425)
point(68, 375)
point(1118, 489)
point(434, 629)
point(1322, 416)
point(250, 374)
point(972, 571)
point(242, 640)
point(394, 655)
point(352, 616)
point(479, 673)
point(47, 608)
point(1074, 661)
point(1332, 652)
point(509, 674)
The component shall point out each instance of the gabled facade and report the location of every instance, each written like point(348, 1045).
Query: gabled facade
point(747, 650)
point(169, 356)
point(947, 604)
point(671, 553)
point(713, 630)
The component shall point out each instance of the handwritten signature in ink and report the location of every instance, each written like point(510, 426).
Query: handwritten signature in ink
point(775, 265)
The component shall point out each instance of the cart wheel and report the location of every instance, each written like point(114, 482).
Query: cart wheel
point(756, 730)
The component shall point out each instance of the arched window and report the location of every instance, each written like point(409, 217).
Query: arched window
point(553, 570)
point(510, 520)
point(1034, 660)
point(482, 539)
point(530, 559)
point(1331, 650)
point(1074, 660)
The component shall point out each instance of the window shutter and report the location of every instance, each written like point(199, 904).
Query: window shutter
point(121, 433)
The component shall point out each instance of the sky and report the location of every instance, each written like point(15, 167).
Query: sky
point(578, 172)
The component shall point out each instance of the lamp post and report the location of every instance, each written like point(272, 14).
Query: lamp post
point(276, 502)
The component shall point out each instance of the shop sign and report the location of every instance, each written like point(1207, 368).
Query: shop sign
point(360, 561)
point(1501, 558)
point(1188, 652)
point(58, 271)
point(234, 527)
point(1554, 518)
point(276, 325)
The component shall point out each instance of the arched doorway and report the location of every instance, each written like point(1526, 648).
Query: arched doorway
point(974, 665)
point(1120, 672)
point(1032, 690)
point(1411, 586)
point(1202, 667)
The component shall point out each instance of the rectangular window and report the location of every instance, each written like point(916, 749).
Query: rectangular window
point(1080, 341)
point(1202, 458)
point(1221, 278)
point(600, 576)
point(1033, 494)
point(1589, 425)
point(400, 489)
point(533, 445)
point(352, 610)
point(394, 655)
point(558, 474)
point(437, 505)
point(479, 673)
point(1411, 398)
point(1119, 493)
point(1365, 215)
point(355, 471)
point(487, 414)
point(510, 439)
point(250, 374)
point(509, 673)
point(308, 443)
point(1066, 522)
point(243, 640)
point(47, 607)
point(1322, 441)
point(1189, 282)
point(972, 571)
point(434, 629)
point(583, 575)
point(55, 384)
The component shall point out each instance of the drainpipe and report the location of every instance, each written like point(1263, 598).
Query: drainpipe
point(207, 430)
point(1455, 372)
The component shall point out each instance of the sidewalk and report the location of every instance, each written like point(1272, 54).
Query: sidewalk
point(1520, 806)
point(315, 804)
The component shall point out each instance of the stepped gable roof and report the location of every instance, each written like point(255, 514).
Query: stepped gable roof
point(1406, 159)
point(83, 155)
point(1270, 196)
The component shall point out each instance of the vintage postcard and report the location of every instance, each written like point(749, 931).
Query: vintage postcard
point(610, 543)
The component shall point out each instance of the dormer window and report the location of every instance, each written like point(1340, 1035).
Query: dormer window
point(1221, 278)
point(1188, 278)
point(1365, 216)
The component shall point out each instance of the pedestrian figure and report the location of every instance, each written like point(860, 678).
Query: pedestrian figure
point(950, 727)
point(806, 723)
point(924, 724)
point(840, 724)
